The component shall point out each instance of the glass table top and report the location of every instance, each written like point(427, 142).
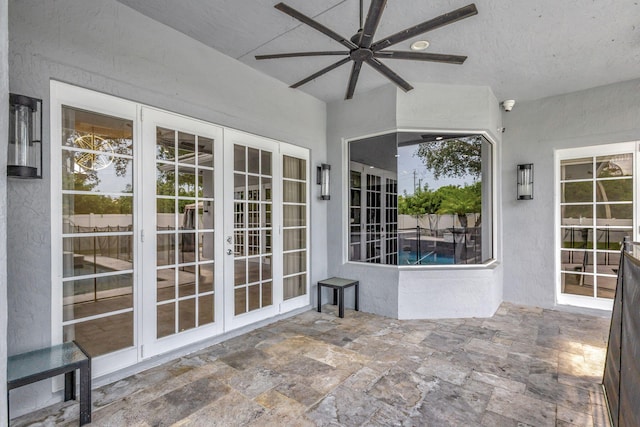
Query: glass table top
point(43, 360)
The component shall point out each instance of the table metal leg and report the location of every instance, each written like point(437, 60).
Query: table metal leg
point(319, 298)
point(85, 393)
point(341, 303)
point(335, 296)
point(357, 293)
point(70, 386)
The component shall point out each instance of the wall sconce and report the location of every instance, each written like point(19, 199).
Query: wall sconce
point(525, 182)
point(322, 179)
point(25, 137)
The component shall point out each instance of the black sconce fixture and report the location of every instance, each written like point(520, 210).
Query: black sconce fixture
point(25, 137)
point(525, 182)
point(322, 178)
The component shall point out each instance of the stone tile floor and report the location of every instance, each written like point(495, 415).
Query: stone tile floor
point(524, 366)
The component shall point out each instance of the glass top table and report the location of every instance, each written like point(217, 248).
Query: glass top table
point(65, 358)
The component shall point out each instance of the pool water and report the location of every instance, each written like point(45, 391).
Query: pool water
point(410, 258)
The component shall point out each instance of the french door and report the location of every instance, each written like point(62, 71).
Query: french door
point(168, 230)
point(597, 208)
point(182, 285)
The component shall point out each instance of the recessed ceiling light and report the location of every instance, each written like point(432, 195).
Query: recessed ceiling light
point(439, 138)
point(419, 45)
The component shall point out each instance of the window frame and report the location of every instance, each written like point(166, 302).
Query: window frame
point(345, 186)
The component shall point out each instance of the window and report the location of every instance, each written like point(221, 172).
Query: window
point(420, 199)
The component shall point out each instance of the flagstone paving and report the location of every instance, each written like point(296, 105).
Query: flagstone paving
point(524, 366)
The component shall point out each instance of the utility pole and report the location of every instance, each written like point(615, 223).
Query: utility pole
point(414, 181)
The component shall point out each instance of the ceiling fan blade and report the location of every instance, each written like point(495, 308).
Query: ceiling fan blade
point(316, 25)
point(420, 56)
point(321, 72)
point(372, 22)
point(297, 54)
point(440, 21)
point(388, 73)
point(355, 72)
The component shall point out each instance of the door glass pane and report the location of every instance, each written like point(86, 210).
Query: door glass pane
point(614, 190)
point(577, 192)
point(577, 169)
point(97, 197)
point(614, 166)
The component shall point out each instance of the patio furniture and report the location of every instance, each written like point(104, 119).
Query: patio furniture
point(37, 365)
point(338, 285)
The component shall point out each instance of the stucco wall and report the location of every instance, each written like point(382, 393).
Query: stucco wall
point(4, 114)
point(106, 46)
point(601, 115)
point(386, 290)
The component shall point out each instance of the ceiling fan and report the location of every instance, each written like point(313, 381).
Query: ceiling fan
point(362, 48)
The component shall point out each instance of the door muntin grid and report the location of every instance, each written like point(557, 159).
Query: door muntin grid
point(185, 205)
point(252, 229)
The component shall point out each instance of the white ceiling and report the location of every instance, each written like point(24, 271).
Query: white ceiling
point(521, 49)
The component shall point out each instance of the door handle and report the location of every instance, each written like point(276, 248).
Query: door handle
point(229, 252)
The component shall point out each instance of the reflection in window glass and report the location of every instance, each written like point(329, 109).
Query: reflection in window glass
point(420, 199)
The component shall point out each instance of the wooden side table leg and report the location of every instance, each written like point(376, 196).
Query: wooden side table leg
point(85, 393)
point(341, 303)
point(319, 298)
point(70, 386)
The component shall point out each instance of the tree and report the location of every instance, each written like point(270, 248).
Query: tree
point(459, 157)
point(461, 201)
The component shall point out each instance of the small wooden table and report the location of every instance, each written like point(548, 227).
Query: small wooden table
point(338, 285)
point(37, 365)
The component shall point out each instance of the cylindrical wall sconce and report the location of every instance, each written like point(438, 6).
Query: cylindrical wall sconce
point(322, 179)
point(525, 182)
point(25, 137)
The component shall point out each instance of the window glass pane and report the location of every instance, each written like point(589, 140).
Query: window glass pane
point(96, 132)
point(187, 314)
point(186, 148)
point(294, 168)
point(114, 177)
point(84, 213)
point(614, 190)
point(253, 160)
point(576, 192)
point(294, 192)
point(165, 144)
point(576, 169)
point(265, 163)
point(295, 286)
point(577, 214)
point(97, 254)
point(420, 199)
point(614, 166)
point(616, 214)
point(166, 319)
point(165, 180)
point(166, 214)
point(295, 262)
point(103, 335)
point(205, 151)
point(294, 239)
point(98, 295)
point(205, 310)
point(294, 215)
point(239, 161)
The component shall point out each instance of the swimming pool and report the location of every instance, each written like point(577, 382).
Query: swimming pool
point(427, 258)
